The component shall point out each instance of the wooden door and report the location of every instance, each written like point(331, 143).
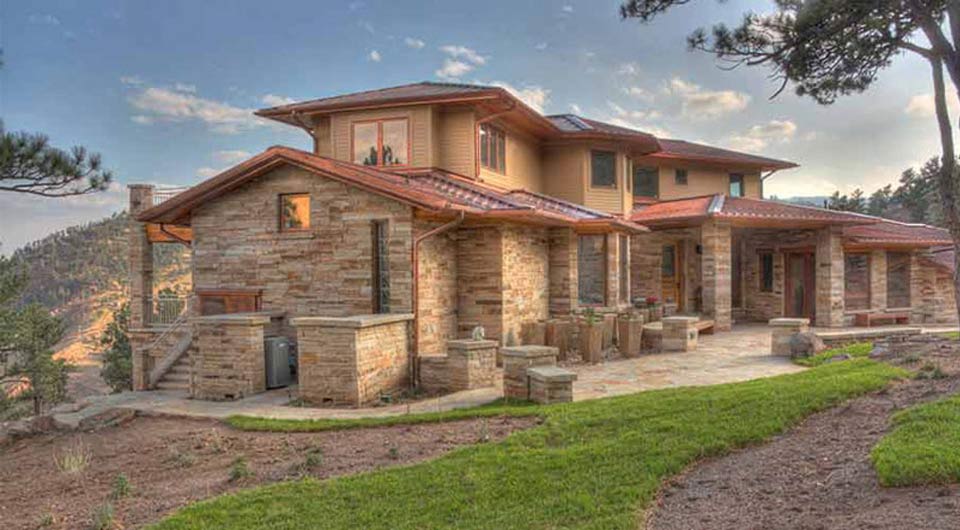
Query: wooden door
point(800, 293)
point(671, 275)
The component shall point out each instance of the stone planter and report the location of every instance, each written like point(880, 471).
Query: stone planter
point(591, 341)
point(559, 334)
point(630, 335)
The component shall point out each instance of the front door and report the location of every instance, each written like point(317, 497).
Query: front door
point(671, 275)
point(800, 288)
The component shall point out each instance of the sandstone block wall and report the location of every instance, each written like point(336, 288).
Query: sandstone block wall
point(228, 362)
point(829, 282)
point(437, 289)
point(715, 241)
point(563, 271)
point(516, 361)
point(526, 279)
point(469, 364)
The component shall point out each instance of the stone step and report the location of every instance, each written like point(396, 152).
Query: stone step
point(180, 368)
point(167, 385)
point(175, 377)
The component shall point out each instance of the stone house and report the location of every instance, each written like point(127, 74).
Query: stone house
point(427, 210)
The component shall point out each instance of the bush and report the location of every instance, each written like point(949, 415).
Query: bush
point(117, 368)
point(239, 470)
point(103, 517)
point(121, 487)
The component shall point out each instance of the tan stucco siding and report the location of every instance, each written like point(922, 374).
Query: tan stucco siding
point(607, 199)
point(523, 165)
point(563, 172)
point(420, 123)
point(701, 180)
point(322, 139)
point(456, 140)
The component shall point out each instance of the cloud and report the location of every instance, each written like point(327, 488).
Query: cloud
point(462, 52)
point(628, 69)
point(44, 19)
point(156, 104)
point(460, 61)
point(207, 172)
point(374, 56)
point(540, 46)
point(567, 9)
point(368, 27)
point(353, 6)
point(183, 87)
point(231, 156)
point(416, 44)
point(574, 108)
point(760, 136)
point(921, 105)
point(131, 80)
point(698, 103)
point(534, 96)
point(639, 93)
point(274, 100)
point(636, 119)
point(453, 69)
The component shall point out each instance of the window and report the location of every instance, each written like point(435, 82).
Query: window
point(624, 269)
point(592, 269)
point(381, 267)
point(603, 169)
point(294, 212)
point(680, 177)
point(381, 143)
point(646, 182)
point(898, 279)
point(856, 281)
point(225, 302)
point(766, 272)
point(736, 185)
point(493, 148)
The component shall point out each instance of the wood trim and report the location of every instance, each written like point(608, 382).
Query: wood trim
point(379, 122)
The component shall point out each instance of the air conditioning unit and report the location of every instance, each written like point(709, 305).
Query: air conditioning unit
point(276, 353)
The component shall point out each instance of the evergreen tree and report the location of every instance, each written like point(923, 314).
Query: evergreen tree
point(117, 358)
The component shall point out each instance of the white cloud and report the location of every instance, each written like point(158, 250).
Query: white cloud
point(368, 27)
point(231, 156)
point(760, 136)
point(416, 44)
point(636, 119)
point(574, 108)
point(48, 20)
point(639, 93)
point(274, 100)
point(462, 52)
point(628, 69)
point(155, 104)
point(699, 103)
point(374, 56)
point(141, 119)
point(353, 6)
point(540, 46)
point(183, 87)
point(453, 69)
point(921, 105)
point(460, 61)
point(131, 80)
point(207, 172)
point(534, 96)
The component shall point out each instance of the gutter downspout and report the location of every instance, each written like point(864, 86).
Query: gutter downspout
point(415, 257)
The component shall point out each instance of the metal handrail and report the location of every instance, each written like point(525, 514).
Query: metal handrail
point(174, 326)
point(164, 194)
point(165, 309)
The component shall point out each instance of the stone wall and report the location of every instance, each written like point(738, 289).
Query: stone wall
point(932, 293)
point(563, 271)
point(325, 270)
point(468, 364)
point(227, 361)
point(715, 239)
point(479, 281)
point(352, 361)
point(829, 282)
point(437, 289)
point(646, 255)
point(762, 306)
point(526, 279)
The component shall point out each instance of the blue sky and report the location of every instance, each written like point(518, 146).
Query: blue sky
point(164, 90)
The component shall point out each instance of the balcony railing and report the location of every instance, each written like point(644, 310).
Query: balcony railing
point(163, 194)
point(165, 310)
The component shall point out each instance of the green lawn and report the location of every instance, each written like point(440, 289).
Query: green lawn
point(855, 350)
point(591, 465)
point(923, 447)
point(498, 408)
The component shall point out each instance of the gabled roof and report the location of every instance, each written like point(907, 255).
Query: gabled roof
point(887, 232)
point(684, 150)
point(432, 190)
point(741, 210)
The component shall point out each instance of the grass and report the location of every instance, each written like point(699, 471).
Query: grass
point(855, 350)
point(498, 408)
point(923, 447)
point(590, 465)
point(74, 459)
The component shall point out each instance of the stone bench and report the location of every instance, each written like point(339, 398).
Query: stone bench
point(869, 319)
point(679, 333)
point(550, 384)
point(517, 360)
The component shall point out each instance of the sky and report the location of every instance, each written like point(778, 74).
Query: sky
point(165, 90)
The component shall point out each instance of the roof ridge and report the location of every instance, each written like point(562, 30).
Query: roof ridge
point(382, 89)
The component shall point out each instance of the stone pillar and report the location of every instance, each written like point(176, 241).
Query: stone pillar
point(550, 384)
point(468, 364)
point(679, 334)
point(352, 360)
point(563, 271)
point(782, 329)
point(229, 362)
point(613, 270)
point(630, 335)
point(516, 360)
point(878, 280)
point(715, 273)
point(141, 257)
point(829, 277)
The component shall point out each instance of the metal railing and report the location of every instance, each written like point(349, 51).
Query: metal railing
point(165, 310)
point(163, 194)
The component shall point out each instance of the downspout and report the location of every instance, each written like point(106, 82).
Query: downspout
point(763, 179)
point(415, 257)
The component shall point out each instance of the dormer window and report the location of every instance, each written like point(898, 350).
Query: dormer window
point(381, 142)
point(493, 147)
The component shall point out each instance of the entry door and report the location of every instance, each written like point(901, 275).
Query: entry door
point(671, 275)
point(800, 295)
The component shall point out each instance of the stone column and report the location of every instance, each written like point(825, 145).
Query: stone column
point(878, 280)
point(141, 257)
point(563, 271)
point(613, 270)
point(829, 277)
point(715, 273)
point(782, 329)
point(229, 358)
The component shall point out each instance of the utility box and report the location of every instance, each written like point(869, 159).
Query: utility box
point(276, 352)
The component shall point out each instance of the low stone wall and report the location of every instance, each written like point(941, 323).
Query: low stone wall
point(468, 364)
point(354, 360)
point(679, 334)
point(516, 361)
point(228, 356)
point(550, 384)
point(782, 330)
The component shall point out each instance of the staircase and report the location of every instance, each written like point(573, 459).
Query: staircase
point(178, 376)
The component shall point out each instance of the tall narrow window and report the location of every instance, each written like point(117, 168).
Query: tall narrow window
point(381, 143)
point(603, 169)
point(898, 279)
point(736, 185)
point(493, 147)
point(680, 177)
point(624, 269)
point(856, 281)
point(592, 269)
point(766, 271)
point(646, 181)
point(294, 212)
point(381, 267)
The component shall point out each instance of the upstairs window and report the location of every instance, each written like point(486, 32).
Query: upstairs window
point(736, 185)
point(493, 148)
point(680, 177)
point(603, 169)
point(381, 142)
point(294, 212)
point(646, 182)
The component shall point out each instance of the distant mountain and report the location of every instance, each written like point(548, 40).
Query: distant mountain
point(813, 200)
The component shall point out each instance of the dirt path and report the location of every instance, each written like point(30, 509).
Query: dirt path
point(818, 475)
point(171, 462)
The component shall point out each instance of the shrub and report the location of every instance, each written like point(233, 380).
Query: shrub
point(121, 487)
point(180, 458)
point(103, 517)
point(117, 368)
point(240, 470)
point(74, 459)
point(314, 458)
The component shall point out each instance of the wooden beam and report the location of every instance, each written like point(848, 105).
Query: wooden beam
point(157, 233)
